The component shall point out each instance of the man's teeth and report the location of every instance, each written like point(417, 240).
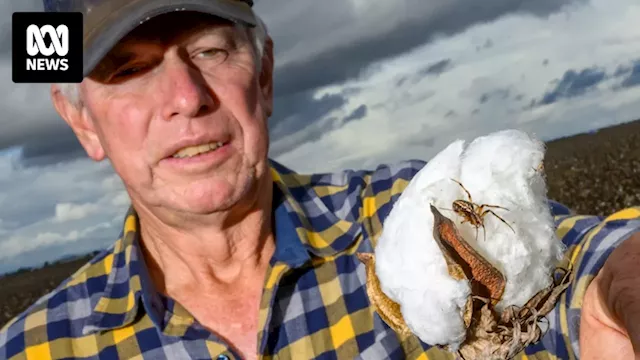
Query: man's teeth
point(197, 150)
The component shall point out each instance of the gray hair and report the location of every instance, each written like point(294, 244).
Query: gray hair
point(258, 35)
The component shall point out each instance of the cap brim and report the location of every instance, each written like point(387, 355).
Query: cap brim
point(101, 38)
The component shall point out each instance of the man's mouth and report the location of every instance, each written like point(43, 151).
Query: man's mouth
point(191, 151)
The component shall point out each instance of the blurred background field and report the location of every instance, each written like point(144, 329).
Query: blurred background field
point(594, 173)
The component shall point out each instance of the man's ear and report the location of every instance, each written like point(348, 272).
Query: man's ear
point(266, 74)
point(76, 116)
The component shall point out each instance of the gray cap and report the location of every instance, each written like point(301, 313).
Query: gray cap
point(107, 21)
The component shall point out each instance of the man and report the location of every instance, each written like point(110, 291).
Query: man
point(225, 254)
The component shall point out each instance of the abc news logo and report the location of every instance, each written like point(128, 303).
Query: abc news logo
point(47, 47)
point(37, 46)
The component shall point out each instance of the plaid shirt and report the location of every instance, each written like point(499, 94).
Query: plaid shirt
point(314, 303)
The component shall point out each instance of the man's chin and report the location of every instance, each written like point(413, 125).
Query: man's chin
point(209, 201)
point(203, 199)
point(208, 195)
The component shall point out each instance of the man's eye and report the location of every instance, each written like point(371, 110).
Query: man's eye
point(217, 54)
point(129, 71)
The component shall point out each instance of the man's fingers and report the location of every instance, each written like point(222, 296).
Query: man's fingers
point(625, 302)
point(601, 343)
point(618, 287)
point(601, 337)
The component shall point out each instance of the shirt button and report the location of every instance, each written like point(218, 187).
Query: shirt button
point(223, 357)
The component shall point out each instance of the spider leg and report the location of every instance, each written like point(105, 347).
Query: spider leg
point(484, 232)
point(480, 207)
point(501, 219)
point(465, 190)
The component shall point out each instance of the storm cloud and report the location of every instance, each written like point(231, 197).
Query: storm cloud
point(356, 114)
point(633, 77)
point(300, 118)
point(342, 38)
point(60, 146)
point(434, 69)
point(573, 84)
point(316, 43)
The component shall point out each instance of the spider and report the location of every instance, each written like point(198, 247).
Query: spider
point(540, 168)
point(475, 213)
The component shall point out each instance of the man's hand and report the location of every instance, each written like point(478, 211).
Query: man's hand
point(610, 320)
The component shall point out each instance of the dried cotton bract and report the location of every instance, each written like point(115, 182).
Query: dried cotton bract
point(501, 169)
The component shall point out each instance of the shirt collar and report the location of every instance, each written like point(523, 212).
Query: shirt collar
point(304, 227)
point(307, 200)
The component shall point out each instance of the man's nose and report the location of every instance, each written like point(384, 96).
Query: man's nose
point(186, 91)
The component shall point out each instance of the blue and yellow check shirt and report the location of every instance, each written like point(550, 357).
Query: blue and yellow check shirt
point(314, 303)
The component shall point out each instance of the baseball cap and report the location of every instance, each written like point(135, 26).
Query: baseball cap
point(107, 21)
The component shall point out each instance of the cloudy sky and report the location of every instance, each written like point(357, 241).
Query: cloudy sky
point(358, 83)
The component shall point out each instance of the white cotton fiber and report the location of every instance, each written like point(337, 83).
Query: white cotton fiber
point(499, 169)
point(409, 263)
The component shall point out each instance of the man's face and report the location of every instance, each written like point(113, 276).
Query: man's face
point(181, 113)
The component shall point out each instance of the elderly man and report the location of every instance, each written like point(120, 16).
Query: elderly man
point(226, 254)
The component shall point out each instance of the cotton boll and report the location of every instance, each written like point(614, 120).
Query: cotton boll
point(437, 321)
point(431, 300)
point(410, 223)
point(410, 265)
point(412, 209)
point(507, 161)
point(445, 164)
point(498, 169)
